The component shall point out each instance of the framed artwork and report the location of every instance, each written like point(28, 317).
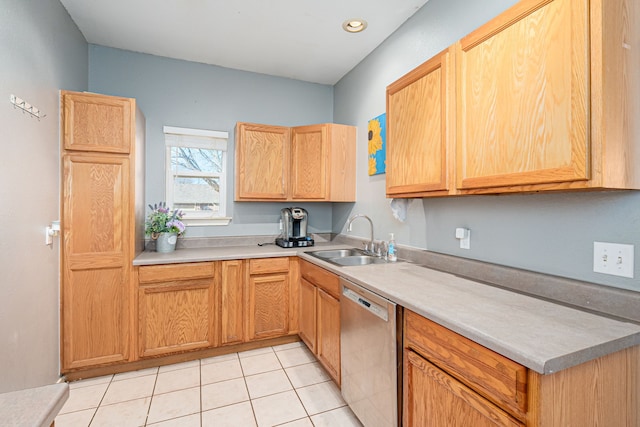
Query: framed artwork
point(377, 136)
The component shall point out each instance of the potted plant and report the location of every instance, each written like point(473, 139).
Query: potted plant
point(164, 226)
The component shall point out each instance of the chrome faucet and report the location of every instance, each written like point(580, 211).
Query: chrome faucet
point(371, 247)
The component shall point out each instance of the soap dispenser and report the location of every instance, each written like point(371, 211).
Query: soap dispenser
point(392, 255)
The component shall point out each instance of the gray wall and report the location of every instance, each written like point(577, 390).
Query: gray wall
point(188, 94)
point(41, 52)
point(550, 233)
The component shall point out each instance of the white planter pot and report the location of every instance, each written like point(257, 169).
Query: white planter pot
point(166, 242)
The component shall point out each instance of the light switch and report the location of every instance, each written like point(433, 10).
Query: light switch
point(613, 258)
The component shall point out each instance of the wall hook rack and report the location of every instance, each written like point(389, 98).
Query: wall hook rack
point(26, 107)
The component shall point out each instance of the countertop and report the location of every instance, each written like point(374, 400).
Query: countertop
point(34, 407)
point(219, 253)
point(539, 334)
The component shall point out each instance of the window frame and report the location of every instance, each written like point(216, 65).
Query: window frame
point(198, 138)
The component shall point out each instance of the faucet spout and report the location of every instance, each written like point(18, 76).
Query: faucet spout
point(353, 217)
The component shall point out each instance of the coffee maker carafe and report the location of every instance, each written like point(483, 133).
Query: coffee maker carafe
point(294, 228)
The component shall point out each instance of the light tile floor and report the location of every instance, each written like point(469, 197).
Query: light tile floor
point(272, 386)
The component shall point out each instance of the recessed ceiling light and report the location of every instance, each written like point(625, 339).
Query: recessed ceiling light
point(354, 25)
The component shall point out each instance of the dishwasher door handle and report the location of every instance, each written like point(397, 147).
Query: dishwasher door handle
point(365, 304)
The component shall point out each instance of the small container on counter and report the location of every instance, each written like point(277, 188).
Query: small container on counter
point(392, 255)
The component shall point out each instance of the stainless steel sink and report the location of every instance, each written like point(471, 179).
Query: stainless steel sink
point(338, 253)
point(358, 260)
point(347, 257)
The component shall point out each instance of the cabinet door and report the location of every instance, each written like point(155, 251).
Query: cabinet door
point(262, 162)
point(420, 133)
point(268, 306)
point(433, 398)
point(231, 302)
point(93, 122)
point(341, 170)
point(309, 153)
point(176, 316)
point(95, 260)
point(307, 323)
point(328, 338)
point(523, 85)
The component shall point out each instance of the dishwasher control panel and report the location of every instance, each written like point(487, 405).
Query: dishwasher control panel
point(371, 306)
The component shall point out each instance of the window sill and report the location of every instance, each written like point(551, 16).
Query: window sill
point(200, 222)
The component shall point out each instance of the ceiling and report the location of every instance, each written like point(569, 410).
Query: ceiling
point(298, 39)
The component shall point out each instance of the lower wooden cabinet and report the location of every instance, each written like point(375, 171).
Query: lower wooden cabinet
point(308, 317)
point(328, 333)
point(176, 308)
point(267, 289)
point(320, 316)
point(201, 305)
point(449, 380)
point(434, 398)
point(95, 319)
point(231, 302)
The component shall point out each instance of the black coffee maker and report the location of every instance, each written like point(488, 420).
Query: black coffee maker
point(294, 228)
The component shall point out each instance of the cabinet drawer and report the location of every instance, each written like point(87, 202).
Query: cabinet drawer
point(499, 379)
point(268, 265)
point(320, 277)
point(168, 272)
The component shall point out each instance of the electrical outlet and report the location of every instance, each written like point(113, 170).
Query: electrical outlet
point(464, 235)
point(613, 258)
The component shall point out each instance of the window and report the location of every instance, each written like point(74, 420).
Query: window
point(197, 174)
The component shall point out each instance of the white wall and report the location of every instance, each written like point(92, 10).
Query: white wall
point(549, 233)
point(41, 52)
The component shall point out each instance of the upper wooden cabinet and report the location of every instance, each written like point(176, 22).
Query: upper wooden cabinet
point(262, 162)
point(323, 161)
point(523, 93)
point(102, 216)
point(420, 130)
point(542, 99)
point(307, 163)
point(92, 122)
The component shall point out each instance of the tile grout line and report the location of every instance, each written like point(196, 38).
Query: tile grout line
point(146, 418)
point(101, 399)
point(295, 390)
point(329, 380)
point(246, 386)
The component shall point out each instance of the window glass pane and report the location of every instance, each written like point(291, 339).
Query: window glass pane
point(196, 194)
point(185, 159)
point(196, 172)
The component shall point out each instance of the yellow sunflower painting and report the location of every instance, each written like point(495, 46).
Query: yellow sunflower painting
point(377, 144)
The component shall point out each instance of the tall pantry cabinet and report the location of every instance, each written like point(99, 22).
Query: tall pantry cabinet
point(102, 215)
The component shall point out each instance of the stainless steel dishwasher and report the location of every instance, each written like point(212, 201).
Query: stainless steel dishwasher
point(368, 350)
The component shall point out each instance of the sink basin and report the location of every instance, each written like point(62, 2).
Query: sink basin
point(347, 257)
point(357, 260)
point(338, 253)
